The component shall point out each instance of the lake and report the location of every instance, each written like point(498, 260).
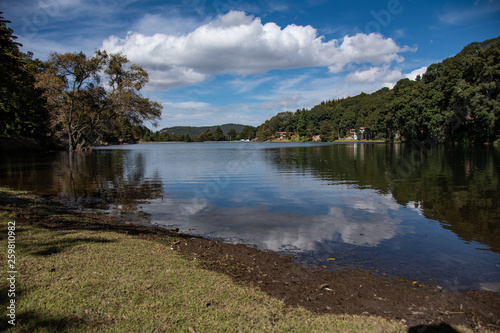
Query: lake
point(424, 212)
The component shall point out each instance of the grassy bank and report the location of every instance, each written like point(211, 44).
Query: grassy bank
point(79, 271)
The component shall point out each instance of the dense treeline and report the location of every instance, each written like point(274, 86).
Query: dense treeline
point(457, 100)
point(23, 112)
point(227, 132)
point(197, 130)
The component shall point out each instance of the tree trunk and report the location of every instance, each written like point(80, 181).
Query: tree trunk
point(70, 141)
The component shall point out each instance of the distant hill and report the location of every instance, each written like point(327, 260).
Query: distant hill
point(196, 131)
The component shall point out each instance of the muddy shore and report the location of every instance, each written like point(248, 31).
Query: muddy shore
point(347, 291)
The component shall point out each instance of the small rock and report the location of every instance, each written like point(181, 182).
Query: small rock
point(324, 286)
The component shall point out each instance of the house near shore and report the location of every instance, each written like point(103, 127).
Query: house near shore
point(353, 134)
point(282, 135)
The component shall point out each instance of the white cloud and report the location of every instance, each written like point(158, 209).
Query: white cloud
point(362, 48)
point(375, 74)
point(381, 76)
point(419, 71)
point(238, 43)
point(173, 76)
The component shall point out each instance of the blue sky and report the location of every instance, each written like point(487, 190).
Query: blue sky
point(214, 62)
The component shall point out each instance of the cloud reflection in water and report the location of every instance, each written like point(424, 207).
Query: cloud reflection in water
point(363, 221)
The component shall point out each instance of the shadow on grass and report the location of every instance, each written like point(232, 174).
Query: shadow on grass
point(32, 321)
point(5, 302)
point(53, 248)
point(441, 328)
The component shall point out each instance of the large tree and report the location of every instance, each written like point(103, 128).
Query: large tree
point(82, 110)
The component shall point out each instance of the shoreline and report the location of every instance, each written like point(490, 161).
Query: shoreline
point(344, 292)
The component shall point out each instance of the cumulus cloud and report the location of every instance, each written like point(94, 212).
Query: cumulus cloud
point(383, 76)
point(362, 48)
point(419, 71)
point(375, 74)
point(241, 44)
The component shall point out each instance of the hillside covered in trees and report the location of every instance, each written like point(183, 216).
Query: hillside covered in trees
point(457, 100)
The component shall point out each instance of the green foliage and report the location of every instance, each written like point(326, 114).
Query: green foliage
point(219, 135)
point(264, 132)
point(326, 131)
point(232, 134)
point(195, 131)
point(22, 109)
point(83, 111)
point(206, 136)
point(247, 133)
point(302, 122)
point(457, 100)
point(205, 133)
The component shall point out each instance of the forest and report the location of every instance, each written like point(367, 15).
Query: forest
point(226, 132)
point(65, 101)
point(456, 100)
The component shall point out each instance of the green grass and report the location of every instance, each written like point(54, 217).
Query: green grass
point(74, 279)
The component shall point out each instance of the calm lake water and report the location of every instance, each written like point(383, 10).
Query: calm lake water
point(429, 213)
